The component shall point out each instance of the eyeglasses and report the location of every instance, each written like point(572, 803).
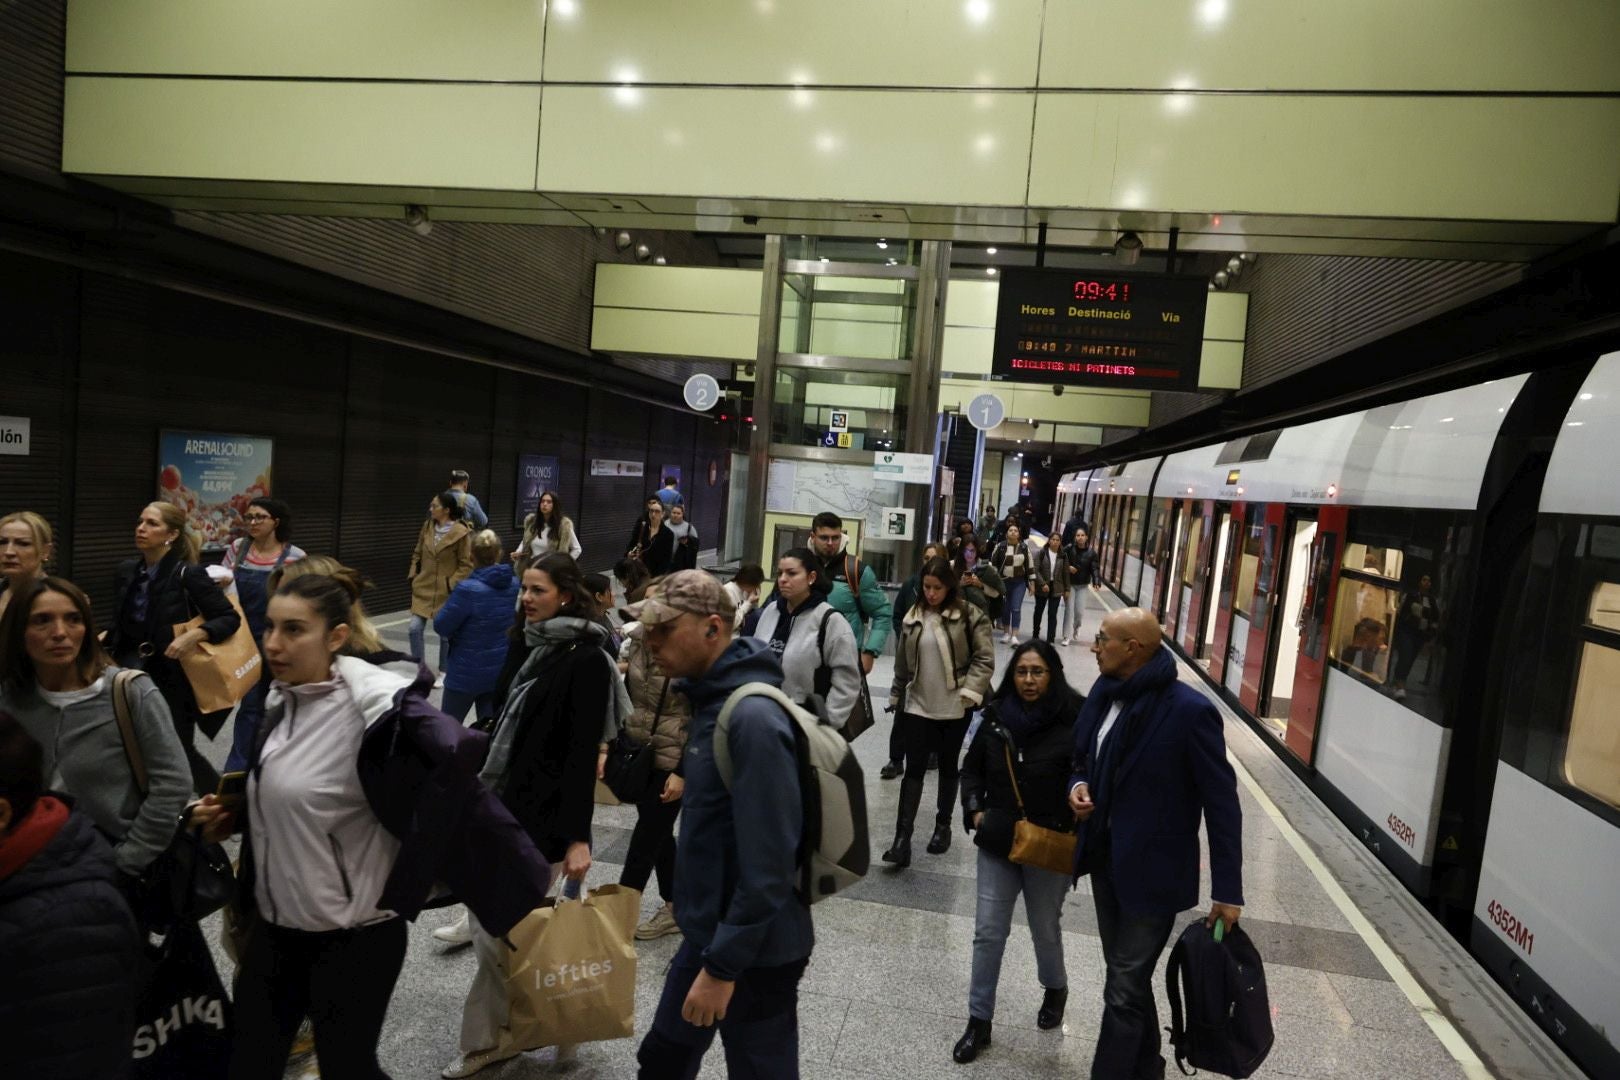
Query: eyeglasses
point(1101, 638)
point(1031, 672)
point(257, 517)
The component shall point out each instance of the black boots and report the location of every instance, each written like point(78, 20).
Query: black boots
point(891, 770)
point(974, 1039)
point(899, 852)
point(1051, 1011)
point(940, 842)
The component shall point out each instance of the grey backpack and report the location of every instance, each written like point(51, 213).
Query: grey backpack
point(834, 852)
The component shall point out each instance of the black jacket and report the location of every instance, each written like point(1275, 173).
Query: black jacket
point(1082, 565)
point(1042, 762)
point(550, 782)
point(70, 954)
point(180, 592)
point(657, 554)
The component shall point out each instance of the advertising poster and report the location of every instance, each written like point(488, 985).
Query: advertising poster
point(537, 474)
point(213, 476)
point(670, 470)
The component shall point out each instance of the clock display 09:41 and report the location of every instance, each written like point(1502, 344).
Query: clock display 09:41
point(1118, 292)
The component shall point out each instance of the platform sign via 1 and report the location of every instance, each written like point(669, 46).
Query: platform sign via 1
point(986, 411)
point(1078, 328)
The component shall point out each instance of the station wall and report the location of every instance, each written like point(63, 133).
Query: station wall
point(365, 431)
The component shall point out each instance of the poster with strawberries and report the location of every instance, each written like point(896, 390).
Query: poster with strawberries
point(212, 477)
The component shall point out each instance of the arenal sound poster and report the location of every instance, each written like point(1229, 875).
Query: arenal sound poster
point(213, 476)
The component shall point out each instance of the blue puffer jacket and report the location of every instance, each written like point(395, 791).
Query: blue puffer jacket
point(475, 619)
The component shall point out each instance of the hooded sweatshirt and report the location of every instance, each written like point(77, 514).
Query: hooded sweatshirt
point(475, 620)
point(736, 865)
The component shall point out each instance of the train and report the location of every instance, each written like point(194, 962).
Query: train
point(1417, 605)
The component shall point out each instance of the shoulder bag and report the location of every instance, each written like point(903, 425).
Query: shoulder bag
point(860, 717)
point(629, 766)
point(190, 880)
point(1036, 845)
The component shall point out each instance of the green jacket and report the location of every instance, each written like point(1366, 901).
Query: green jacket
point(871, 616)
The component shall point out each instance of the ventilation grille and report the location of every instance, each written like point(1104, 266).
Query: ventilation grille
point(1304, 309)
point(32, 37)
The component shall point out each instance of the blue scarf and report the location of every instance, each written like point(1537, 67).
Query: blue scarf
point(1133, 694)
point(1026, 719)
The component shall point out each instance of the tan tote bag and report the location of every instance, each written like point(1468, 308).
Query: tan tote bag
point(572, 975)
point(221, 675)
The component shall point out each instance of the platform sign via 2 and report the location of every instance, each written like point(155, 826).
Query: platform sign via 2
point(1077, 328)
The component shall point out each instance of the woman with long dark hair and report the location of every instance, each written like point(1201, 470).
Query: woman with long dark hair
point(154, 592)
point(56, 681)
point(441, 560)
point(943, 659)
point(1018, 766)
point(651, 541)
point(813, 642)
point(1082, 563)
point(546, 531)
point(543, 763)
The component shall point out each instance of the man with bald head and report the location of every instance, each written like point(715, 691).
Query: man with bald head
point(1149, 761)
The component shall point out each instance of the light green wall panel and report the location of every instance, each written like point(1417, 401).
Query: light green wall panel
point(886, 286)
point(1121, 408)
point(867, 313)
point(971, 303)
point(678, 288)
point(334, 133)
point(1220, 365)
point(836, 337)
point(1296, 154)
point(833, 395)
point(1226, 316)
point(1535, 45)
point(943, 147)
point(675, 333)
point(795, 42)
point(485, 41)
point(967, 349)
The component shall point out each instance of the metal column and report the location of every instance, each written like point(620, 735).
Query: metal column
point(759, 443)
point(922, 428)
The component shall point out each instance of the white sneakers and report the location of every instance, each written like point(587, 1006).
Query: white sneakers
point(661, 924)
point(467, 1064)
point(457, 933)
point(1066, 642)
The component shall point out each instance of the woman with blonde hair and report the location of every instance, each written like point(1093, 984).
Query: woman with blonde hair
point(160, 588)
point(25, 550)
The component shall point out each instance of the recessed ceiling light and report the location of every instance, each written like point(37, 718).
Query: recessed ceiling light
point(990, 251)
point(990, 270)
point(1447, 419)
point(1586, 397)
point(883, 245)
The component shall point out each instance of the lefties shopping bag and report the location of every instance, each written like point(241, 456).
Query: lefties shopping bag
point(183, 1020)
point(572, 976)
point(221, 675)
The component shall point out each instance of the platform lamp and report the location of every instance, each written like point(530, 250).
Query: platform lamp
point(1128, 248)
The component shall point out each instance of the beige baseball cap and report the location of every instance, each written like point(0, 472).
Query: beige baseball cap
point(685, 592)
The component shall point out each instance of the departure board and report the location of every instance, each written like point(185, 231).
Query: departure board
point(1082, 328)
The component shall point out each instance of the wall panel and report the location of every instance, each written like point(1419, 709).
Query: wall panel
point(616, 431)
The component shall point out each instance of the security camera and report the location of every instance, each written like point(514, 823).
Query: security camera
point(417, 218)
point(1046, 462)
point(1058, 390)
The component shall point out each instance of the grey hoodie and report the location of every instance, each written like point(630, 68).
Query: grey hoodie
point(85, 758)
point(736, 865)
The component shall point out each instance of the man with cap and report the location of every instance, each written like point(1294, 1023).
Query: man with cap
point(748, 934)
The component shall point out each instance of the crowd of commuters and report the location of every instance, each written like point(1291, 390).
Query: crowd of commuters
point(363, 801)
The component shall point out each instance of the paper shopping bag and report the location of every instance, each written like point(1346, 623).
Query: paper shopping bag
point(221, 675)
point(572, 975)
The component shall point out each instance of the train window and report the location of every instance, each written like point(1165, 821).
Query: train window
point(1385, 562)
point(1592, 751)
point(1248, 567)
point(1311, 631)
point(1363, 621)
point(1189, 559)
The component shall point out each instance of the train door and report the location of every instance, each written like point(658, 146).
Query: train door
point(1169, 599)
point(1264, 609)
point(1321, 565)
point(1213, 565)
point(1194, 572)
point(1229, 542)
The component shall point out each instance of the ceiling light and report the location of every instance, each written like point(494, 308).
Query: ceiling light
point(990, 251)
point(892, 262)
point(1234, 266)
point(659, 260)
point(1128, 248)
point(1447, 419)
point(643, 252)
point(977, 10)
point(566, 8)
point(825, 259)
point(1220, 279)
point(621, 241)
point(1586, 397)
point(1576, 423)
point(990, 270)
point(883, 245)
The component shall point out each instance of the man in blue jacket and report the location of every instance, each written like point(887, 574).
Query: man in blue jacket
point(748, 934)
point(1149, 760)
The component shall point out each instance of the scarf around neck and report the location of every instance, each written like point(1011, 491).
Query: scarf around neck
point(1023, 720)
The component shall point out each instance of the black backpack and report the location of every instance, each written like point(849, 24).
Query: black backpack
point(1227, 1025)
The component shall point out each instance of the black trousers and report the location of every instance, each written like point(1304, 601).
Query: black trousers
point(924, 736)
point(341, 979)
point(1047, 602)
point(1128, 1044)
point(652, 843)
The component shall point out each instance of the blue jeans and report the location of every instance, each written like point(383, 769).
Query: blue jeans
point(1000, 882)
point(1016, 588)
point(456, 703)
point(1128, 1044)
point(418, 635)
point(249, 711)
point(760, 1031)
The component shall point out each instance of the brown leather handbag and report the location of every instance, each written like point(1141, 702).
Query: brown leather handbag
point(1036, 845)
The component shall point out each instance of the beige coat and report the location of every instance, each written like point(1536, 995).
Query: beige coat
point(437, 566)
point(664, 727)
point(967, 649)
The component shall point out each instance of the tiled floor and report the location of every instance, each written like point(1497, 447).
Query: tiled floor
point(886, 991)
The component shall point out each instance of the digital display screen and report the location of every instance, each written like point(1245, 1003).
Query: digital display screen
point(1080, 328)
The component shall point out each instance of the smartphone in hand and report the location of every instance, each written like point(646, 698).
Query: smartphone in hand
point(232, 790)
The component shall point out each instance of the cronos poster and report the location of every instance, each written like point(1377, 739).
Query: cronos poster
point(213, 476)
